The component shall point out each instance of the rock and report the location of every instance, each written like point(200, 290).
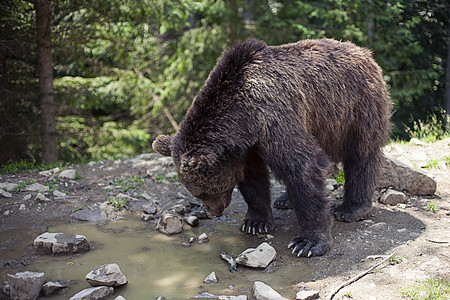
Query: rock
point(170, 223)
point(27, 197)
point(8, 186)
point(57, 193)
point(5, 194)
point(60, 243)
point(25, 285)
point(68, 174)
point(257, 258)
point(203, 238)
point(149, 209)
point(240, 297)
point(119, 298)
point(22, 207)
point(51, 287)
point(331, 184)
point(211, 278)
point(418, 142)
point(402, 177)
point(393, 197)
point(307, 295)
point(41, 197)
point(46, 173)
point(206, 295)
point(192, 220)
point(161, 298)
point(89, 215)
point(6, 213)
point(262, 291)
point(108, 275)
point(12, 263)
point(146, 196)
point(37, 187)
point(230, 260)
point(93, 293)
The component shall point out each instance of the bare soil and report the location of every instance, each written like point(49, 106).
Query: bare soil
point(419, 237)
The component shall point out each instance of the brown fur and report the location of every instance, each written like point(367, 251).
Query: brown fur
point(292, 108)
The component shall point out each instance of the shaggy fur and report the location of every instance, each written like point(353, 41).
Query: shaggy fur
point(291, 108)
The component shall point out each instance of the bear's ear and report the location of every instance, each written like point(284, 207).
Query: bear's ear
point(162, 144)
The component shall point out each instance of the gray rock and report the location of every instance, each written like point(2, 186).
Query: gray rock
point(393, 197)
point(68, 174)
point(119, 298)
point(89, 215)
point(25, 285)
point(8, 186)
point(192, 220)
point(37, 187)
point(257, 258)
point(206, 295)
point(94, 293)
point(262, 291)
point(46, 173)
point(57, 193)
point(41, 197)
point(307, 295)
point(211, 278)
point(60, 243)
point(203, 238)
point(5, 194)
point(149, 209)
point(27, 197)
point(170, 223)
point(51, 287)
point(22, 207)
point(108, 275)
point(402, 177)
point(240, 297)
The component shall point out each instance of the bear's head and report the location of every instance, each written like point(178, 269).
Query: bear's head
point(206, 173)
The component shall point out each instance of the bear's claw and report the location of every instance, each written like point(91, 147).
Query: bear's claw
point(254, 227)
point(308, 248)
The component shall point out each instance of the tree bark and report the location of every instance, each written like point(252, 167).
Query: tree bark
point(45, 70)
point(447, 81)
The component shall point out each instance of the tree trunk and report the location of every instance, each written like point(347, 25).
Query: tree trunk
point(447, 81)
point(45, 69)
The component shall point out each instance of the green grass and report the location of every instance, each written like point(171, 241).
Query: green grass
point(31, 166)
point(118, 204)
point(21, 185)
point(431, 163)
point(128, 183)
point(395, 260)
point(340, 177)
point(159, 178)
point(430, 289)
point(431, 206)
point(78, 208)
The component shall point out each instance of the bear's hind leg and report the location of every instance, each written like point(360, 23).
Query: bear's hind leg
point(255, 188)
point(283, 202)
point(360, 175)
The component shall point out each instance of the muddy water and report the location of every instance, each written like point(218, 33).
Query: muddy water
point(156, 264)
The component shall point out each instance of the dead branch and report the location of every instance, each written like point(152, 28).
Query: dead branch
point(357, 277)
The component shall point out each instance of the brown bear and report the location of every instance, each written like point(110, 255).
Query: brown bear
point(292, 108)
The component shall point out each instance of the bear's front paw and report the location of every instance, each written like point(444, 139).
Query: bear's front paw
point(282, 202)
point(256, 227)
point(309, 247)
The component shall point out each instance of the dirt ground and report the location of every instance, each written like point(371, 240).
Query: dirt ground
point(419, 237)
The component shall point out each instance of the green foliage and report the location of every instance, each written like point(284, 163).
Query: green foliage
point(30, 166)
point(21, 185)
point(395, 260)
point(159, 178)
point(431, 164)
point(128, 183)
point(432, 129)
point(430, 289)
point(117, 203)
point(78, 208)
point(340, 177)
point(431, 206)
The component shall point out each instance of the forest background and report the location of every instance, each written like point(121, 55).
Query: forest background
point(122, 72)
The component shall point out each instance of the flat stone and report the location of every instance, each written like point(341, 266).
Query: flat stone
point(401, 177)
point(119, 298)
point(8, 186)
point(57, 193)
point(46, 173)
point(149, 209)
point(41, 197)
point(94, 293)
point(60, 243)
point(27, 197)
point(89, 215)
point(203, 238)
point(307, 295)
point(68, 174)
point(211, 278)
point(107, 275)
point(262, 291)
point(5, 194)
point(257, 258)
point(37, 187)
point(51, 287)
point(240, 297)
point(415, 141)
point(25, 285)
point(392, 197)
point(170, 223)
